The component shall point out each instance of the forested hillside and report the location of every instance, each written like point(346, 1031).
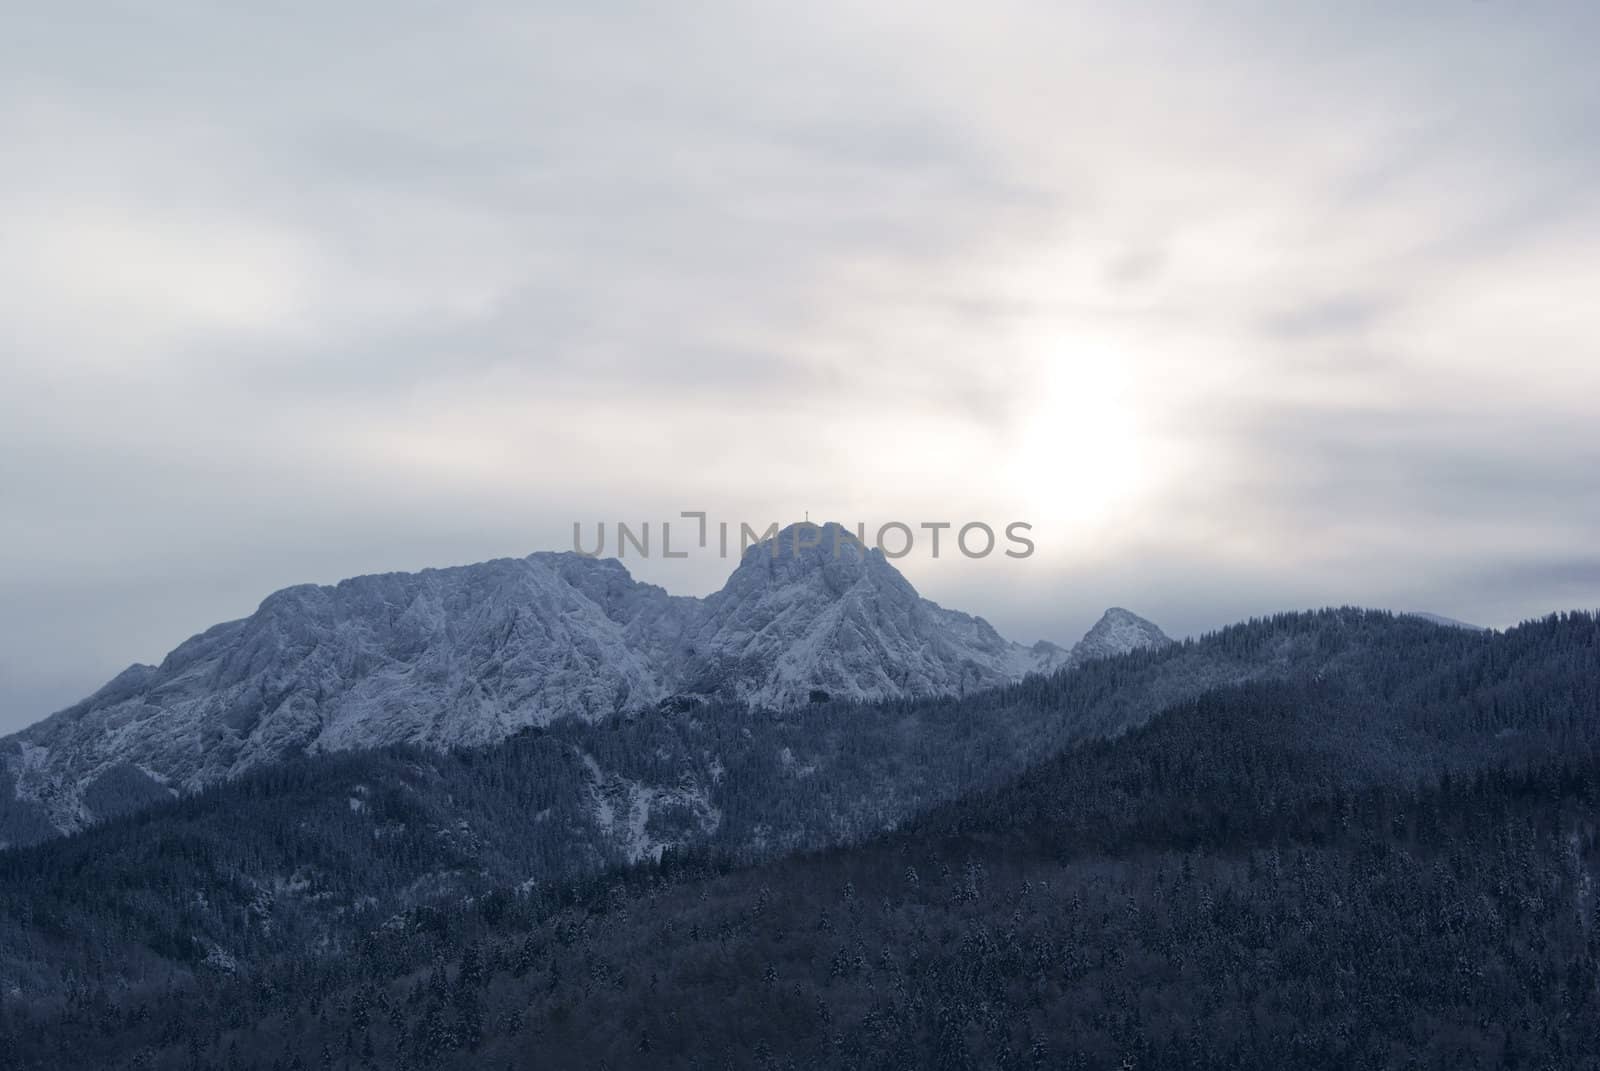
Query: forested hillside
point(1325, 927)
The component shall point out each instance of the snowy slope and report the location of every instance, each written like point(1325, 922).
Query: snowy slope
point(443, 657)
point(469, 655)
point(1117, 632)
point(841, 621)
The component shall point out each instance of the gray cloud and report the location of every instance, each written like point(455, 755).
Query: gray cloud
point(1246, 306)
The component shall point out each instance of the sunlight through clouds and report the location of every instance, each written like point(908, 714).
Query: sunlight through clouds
point(1245, 305)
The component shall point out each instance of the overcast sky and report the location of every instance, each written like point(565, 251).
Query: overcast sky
point(1244, 306)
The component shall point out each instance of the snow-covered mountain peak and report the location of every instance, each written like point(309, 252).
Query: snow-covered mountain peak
point(1117, 632)
point(471, 654)
point(813, 613)
point(809, 552)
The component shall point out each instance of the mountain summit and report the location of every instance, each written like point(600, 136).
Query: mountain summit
point(797, 621)
point(1117, 632)
point(469, 655)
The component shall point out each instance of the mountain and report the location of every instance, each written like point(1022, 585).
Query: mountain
point(1445, 622)
point(443, 657)
point(1384, 815)
point(795, 619)
point(1117, 632)
point(313, 852)
point(467, 656)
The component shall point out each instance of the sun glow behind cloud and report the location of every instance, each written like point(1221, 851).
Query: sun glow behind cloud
point(1244, 305)
point(1081, 458)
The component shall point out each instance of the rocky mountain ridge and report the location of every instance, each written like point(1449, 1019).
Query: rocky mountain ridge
point(467, 656)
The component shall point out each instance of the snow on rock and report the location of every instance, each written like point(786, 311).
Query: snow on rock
point(469, 655)
point(219, 959)
point(642, 820)
point(1117, 632)
point(833, 618)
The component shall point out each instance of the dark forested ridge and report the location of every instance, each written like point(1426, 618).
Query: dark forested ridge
point(1350, 840)
point(1447, 928)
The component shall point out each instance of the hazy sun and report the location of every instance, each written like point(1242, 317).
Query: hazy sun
point(1078, 455)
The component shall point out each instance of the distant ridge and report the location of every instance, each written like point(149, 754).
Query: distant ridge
point(1445, 622)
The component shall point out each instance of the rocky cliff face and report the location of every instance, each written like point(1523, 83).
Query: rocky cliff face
point(469, 655)
point(1117, 632)
point(834, 618)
